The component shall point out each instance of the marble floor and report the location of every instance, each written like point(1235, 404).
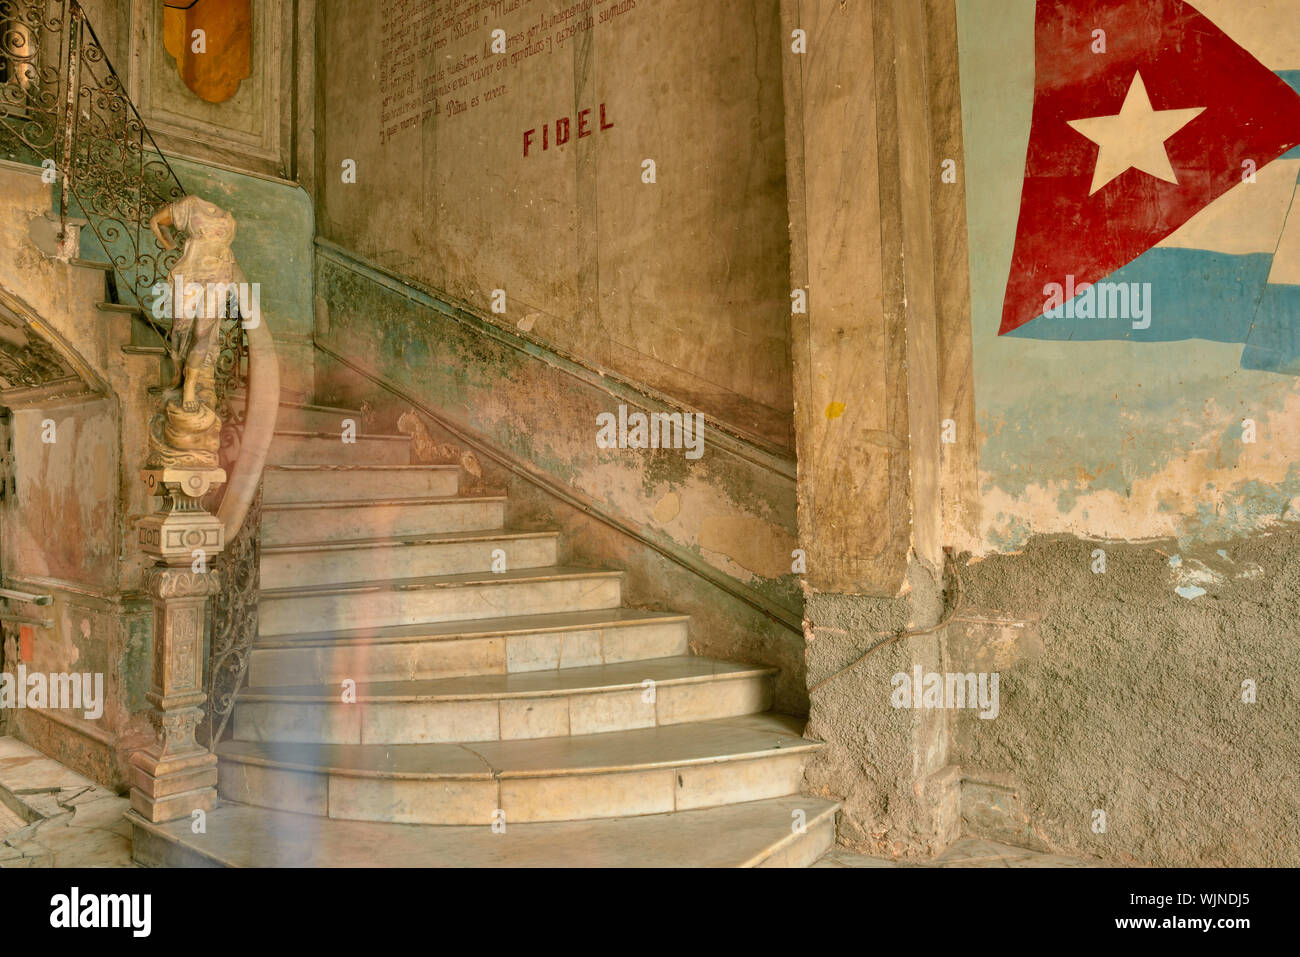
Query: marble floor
point(968, 852)
point(67, 820)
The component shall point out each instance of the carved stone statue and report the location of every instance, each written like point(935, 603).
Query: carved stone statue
point(186, 433)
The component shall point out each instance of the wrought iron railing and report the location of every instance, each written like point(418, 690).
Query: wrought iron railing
point(64, 108)
point(234, 607)
point(234, 624)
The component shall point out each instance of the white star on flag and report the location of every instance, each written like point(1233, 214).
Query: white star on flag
point(1135, 137)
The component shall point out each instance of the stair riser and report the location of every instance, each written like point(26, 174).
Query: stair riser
point(344, 485)
point(323, 450)
point(415, 560)
point(286, 616)
point(435, 658)
point(473, 801)
point(512, 719)
point(805, 848)
point(340, 523)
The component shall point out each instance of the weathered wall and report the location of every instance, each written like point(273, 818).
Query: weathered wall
point(65, 500)
point(1121, 683)
point(69, 527)
point(63, 531)
point(680, 284)
point(70, 530)
point(273, 243)
point(727, 516)
point(254, 128)
point(865, 223)
point(1139, 434)
point(1133, 706)
point(889, 767)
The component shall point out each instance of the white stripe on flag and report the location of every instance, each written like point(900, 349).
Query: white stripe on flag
point(1246, 219)
point(1267, 28)
point(1286, 264)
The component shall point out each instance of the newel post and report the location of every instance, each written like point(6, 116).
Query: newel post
point(175, 775)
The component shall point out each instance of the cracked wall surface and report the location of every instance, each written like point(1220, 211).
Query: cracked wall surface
point(1135, 515)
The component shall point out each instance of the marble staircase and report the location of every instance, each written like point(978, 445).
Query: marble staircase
point(423, 673)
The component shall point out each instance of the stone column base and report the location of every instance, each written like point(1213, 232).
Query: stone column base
point(172, 787)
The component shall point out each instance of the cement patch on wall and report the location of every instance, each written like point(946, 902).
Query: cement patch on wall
point(1135, 705)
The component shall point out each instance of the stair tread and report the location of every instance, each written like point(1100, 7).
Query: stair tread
point(679, 669)
point(475, 628)
point(426, 538)
point(239, 835)
point(367, 502)
point(545, 573)
point(700, 742)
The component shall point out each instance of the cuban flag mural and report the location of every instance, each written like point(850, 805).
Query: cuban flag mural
point(1160, 159)
point(1130, 175)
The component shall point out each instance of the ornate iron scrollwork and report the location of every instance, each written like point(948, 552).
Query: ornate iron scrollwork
point(62, 101)
point(234, 619)
point(31, 79)
point(234, 623)
point(117, 174)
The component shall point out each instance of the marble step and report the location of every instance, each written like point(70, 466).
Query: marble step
point(449, 553)
point(306, 417)
point(543, 704)
point(754, 834)
point(535, 591)
point(328, 448)
point(333, 483)
point(514, 645)
point(617, 774)
point(288, 523)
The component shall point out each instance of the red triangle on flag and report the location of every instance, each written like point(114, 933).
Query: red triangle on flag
point(1079, 215)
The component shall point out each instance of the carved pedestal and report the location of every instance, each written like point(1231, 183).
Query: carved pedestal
point(176, 775)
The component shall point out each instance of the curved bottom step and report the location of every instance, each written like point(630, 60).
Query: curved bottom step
point(616, 774)
point(757, 834)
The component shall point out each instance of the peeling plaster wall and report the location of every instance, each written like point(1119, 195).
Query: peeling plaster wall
point(61, 522)
point(59, 295)
point(1119, 692)
point(1118, 439)
point(63, 531)
point(70, 529)
point(732, 510)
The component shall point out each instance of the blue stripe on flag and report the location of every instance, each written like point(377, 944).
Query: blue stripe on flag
point(1273, 345)
point(1197, 294)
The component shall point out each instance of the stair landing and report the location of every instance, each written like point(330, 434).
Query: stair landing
point(756, 834)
